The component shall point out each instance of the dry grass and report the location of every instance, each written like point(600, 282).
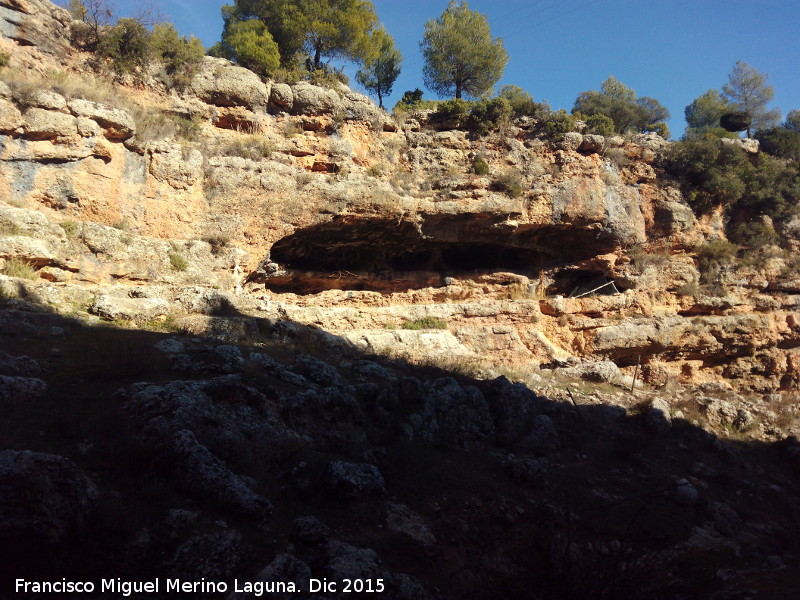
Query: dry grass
point(17, 267)
point(247, 145)
point(151, 124)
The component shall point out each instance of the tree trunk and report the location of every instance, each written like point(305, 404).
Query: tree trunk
point(380, 99)
point(458, 89)
point(317, 58)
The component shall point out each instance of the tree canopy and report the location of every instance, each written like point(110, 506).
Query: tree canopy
point(382, 68)
point(619, 102)
point(747, 92)
point(704, 113)
point(313, 30)
point(461, 57)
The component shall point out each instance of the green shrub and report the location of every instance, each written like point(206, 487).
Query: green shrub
point(127, 46)
point(18, 267)
point(290, 128)
point(480, 166)
point(453, 112)
point(178, 261)
point(708, 171)
point(711, 173)
point(70, 228)
point(411, 100)
point(7, 294)
point(187, 128)
point(330, 78)
point(754, 234)
point(556, 124)
point(713, 256)
point(522, 103)
point(179, 55)
point(616, 156)
point(509, 183)
point(486, 115)
point(600, 125)
point(780, 142)
point(5, 57)
point(251, 45)
point(425, 323)
point(218, 243)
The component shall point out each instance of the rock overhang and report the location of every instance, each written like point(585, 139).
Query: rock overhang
point(375, 249)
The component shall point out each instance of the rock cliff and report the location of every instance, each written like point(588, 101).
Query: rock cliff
point(246, 213)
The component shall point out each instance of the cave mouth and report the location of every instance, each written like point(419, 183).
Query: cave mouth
point(373, 254)
point(579, 282)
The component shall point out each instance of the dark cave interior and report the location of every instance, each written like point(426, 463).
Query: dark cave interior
point(376, 254)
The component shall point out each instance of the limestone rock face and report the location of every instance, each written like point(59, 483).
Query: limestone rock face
point(36, 23)
point(749, 145)
point(223, 84)
point(173, 165)
point(10, 117)
point(117, 123)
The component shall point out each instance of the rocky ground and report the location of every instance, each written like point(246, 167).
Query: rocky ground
point(266, 330)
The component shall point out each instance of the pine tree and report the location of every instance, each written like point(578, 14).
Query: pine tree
point(747, 92)
point(461, 58)
point(382, 68)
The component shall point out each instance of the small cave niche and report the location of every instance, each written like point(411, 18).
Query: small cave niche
point(579, 282)
point(357, 253)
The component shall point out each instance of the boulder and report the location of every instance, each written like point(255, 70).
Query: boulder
point(650, 141)
point(513, 407)
point(603, 371)
point(221, 83)
point(116, 308)
point(202, 474)
point(47, 99)
point(674, 217)
point(401, 519)
point(454, 415)
point(658, 416)
point(314, 100)
point(281, 97)
point(592, 144)
point(543, 439)
point(17, 391)
point(285, 569)
point(41, 124)
point(317, 371)
point(354, 479)
point(42, 496)
point(685, 493)
point(116, 123)
point(18, 365)
point(212, 557)
point(749, 145)
point(528, 471)
point(719, 412)
point(572, 140)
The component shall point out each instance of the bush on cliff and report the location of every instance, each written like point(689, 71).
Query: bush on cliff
point(712, 173)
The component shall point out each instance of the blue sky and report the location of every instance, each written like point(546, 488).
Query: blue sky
point(672, 50)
